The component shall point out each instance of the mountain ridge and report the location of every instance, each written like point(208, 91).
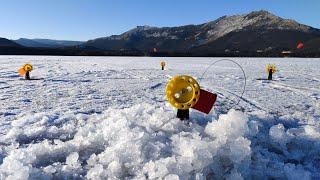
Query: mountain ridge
point(7, 43)
point(191, 37)
point(48, 43)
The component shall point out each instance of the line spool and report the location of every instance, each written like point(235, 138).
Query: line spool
point(182, 92)
point(28, 67)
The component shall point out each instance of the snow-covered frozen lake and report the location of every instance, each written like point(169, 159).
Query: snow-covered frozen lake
point(99, 117)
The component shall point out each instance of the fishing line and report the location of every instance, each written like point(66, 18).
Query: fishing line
point(243, 72)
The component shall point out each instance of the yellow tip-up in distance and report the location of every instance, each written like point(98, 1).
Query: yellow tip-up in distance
point(271, 67)
point(183, 91)
point(163, 63)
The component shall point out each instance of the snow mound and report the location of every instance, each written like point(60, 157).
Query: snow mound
point(148, 142)
point(141, 142)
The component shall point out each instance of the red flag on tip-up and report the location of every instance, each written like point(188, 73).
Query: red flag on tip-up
point(300, 45)
point(205, 102)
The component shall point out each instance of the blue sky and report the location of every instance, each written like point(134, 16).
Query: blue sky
point(89, 19)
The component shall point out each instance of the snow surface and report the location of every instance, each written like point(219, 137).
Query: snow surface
point(107, 117)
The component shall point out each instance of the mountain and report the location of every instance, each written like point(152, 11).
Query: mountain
point(48, 43)
point(8, 47)
point(30, 43)
point(58, 43)
point(7, 43)
point(257, 31)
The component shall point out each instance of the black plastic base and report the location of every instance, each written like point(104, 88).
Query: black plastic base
point(183, 114)
point(27, 76)
point(270, 75)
